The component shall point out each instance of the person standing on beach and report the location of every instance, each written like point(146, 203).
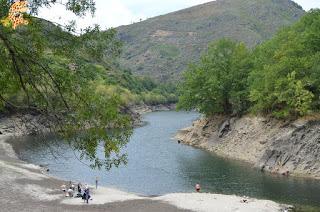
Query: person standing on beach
point(197, 187)
point(79, 188)
point(97, 182)
point(87, 194)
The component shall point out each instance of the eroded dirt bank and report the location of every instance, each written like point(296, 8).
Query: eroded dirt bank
point(271, 145)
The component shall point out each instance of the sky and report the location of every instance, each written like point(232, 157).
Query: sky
point(113, 13)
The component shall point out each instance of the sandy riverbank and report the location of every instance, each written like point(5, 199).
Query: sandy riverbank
point(25, 188)
point(189, 201)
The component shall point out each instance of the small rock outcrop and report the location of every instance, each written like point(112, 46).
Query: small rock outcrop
point(297, 152)
point(24, 124)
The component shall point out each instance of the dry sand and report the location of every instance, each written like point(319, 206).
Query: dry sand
point(204, 202)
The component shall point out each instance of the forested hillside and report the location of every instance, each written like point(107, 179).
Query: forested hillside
point(79, 55)
point(73, 80)
point(163, 46)
point(280, 76)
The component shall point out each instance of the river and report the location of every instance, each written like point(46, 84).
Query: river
point(159, 165)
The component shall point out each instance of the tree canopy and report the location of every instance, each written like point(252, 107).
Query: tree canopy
point(218, 83)
point(45, 69)
point(286, 74)
point(279, 77)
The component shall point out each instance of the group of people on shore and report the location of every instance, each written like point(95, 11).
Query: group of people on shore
point(82, 191)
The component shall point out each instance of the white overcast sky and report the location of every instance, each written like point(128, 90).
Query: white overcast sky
point(113, 13)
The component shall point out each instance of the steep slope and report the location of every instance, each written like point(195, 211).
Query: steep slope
point(271, 145)
point(163, 46)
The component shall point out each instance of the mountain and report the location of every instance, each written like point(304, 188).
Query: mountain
point(163, 46)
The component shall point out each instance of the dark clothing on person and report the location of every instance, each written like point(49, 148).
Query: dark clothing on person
point(86, 195)
point(79, 188)
point(79, 191)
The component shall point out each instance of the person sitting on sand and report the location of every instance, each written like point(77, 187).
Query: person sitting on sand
point(70, 192)
point(72, 187)
point(244, 200)
point(64, 188)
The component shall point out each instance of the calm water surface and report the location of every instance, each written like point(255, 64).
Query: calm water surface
point(159, 165)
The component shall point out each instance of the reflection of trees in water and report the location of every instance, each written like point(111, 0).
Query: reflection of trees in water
point(224, 176)
point(88, 145)
point(84, 147)
point(43, 145)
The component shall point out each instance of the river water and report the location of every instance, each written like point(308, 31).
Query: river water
point(159, 165)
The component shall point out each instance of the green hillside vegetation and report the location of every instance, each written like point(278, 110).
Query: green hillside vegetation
point(280, 76)
point(90, 64)
point(44, 70)
point(137, 90)
point(75, 82)
point(163, 46)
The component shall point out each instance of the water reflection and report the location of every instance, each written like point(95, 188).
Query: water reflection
point(230, 177)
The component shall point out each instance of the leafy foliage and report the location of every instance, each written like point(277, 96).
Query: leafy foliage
point(279, 77)
point(78, 7)
point(4, 8)
point(75, 81)
point(285, 79)
point(45, 69)
point(218, 83)
point(135, 90)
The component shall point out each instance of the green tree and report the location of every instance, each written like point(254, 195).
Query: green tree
point(44, 69)
point(285, 77)
point(218, 84)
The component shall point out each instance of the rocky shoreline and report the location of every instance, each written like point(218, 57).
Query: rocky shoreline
point(25, 187)
point(29, 123)
point(286, 148)
point(136, 111)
